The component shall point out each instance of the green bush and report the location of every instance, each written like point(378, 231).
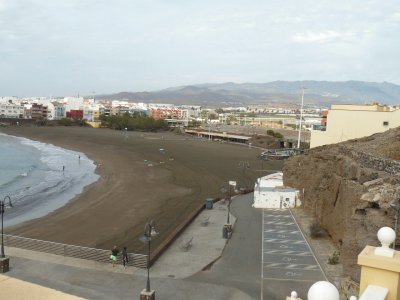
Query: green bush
point(65, 122)
point(274, 134)
point(133, 122)
point(335, 258)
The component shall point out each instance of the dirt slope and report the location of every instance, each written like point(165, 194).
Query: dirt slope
point(349, 188)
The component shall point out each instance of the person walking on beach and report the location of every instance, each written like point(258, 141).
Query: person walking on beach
point(114, 255)
point(125, 257)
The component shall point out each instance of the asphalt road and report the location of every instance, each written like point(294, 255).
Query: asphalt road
point(267, 256)
point(240, 264)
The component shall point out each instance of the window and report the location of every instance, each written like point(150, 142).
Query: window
point(385, 123)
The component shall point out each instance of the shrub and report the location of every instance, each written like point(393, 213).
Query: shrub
point(270, 132)
point(316, 230)
point(334, 259)
point(65, 122)
point(274, 134)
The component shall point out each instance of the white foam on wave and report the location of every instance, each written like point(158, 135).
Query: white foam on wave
point(57, 186)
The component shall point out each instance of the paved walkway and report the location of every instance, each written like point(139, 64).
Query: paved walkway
point(198, 246)
point(181, 272)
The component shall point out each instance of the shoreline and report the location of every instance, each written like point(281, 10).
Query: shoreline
point(114, 209)
point(59, 191)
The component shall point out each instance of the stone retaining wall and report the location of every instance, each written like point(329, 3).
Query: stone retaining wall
point(371, 161)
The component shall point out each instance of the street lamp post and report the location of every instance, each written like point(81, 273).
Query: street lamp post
point(301, 117)
point(229, 203)
point(396, 207)
point(4, 262)
point(227, 229)
point(2, 210)
point(149, 232)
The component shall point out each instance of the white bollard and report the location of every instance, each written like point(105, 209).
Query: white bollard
point(323, 290)
point(293, 295)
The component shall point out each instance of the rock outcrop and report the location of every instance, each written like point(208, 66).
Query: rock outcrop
point(350, 187)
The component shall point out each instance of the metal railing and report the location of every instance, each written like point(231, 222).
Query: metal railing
point(99, 255)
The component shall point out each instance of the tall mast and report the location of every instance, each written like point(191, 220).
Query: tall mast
point(301, 117)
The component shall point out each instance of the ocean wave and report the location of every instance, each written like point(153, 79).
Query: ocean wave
point(43, 186)
point(18, 177)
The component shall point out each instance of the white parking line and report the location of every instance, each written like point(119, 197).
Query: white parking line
point(285, 236)
point(282, 231)
point(277, 216)
point(280, 252)
point(295, 242)
point(291, 266)
point(278, 223)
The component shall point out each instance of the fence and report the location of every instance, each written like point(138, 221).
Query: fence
point(99, 255)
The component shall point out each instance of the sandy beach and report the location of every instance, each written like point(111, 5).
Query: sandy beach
point(114, 210)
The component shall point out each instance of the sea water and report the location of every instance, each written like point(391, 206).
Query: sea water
point(39, 177)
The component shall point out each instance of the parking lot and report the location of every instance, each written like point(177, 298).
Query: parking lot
point(286, 256)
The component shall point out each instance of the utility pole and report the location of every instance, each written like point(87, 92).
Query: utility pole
point(301, 117)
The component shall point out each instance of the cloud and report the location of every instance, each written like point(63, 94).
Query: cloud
point(85, 45)
point(321, 37)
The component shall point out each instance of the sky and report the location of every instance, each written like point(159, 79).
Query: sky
point(70, 47)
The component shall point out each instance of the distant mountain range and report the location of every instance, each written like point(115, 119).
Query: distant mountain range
point(317, 93)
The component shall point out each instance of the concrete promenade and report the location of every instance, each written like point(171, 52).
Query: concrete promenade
point(209, 269)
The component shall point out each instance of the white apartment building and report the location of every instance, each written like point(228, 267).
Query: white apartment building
point(10, 108)
point(73, 103)
point(346, 122)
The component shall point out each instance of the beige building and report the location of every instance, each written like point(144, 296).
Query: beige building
point(346, 122)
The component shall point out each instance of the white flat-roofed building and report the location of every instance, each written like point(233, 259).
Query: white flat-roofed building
point(73, 103)
point(10, 109)
point(346, 122)
point(269, 192)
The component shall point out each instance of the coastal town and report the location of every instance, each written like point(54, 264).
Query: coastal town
point(274, 195)
point(90, 110)
point(219, 150)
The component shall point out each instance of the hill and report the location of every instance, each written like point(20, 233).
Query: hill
point(318, 93)
point(349, 188)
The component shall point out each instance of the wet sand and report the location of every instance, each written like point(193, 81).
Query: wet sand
point(115, 209)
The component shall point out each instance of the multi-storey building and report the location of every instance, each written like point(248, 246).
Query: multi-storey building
point(346, 122)
point(9, 109)
point(167, 113)
point(59, 111)
point(38, 111)
point(75, 114)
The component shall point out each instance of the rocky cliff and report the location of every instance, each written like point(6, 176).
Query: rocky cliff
point(349, 188)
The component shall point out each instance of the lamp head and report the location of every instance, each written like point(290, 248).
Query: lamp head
point(145, 238)
point(149, 232)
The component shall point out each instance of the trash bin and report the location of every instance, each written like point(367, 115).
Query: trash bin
point(225, 232)
point(209, 203)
